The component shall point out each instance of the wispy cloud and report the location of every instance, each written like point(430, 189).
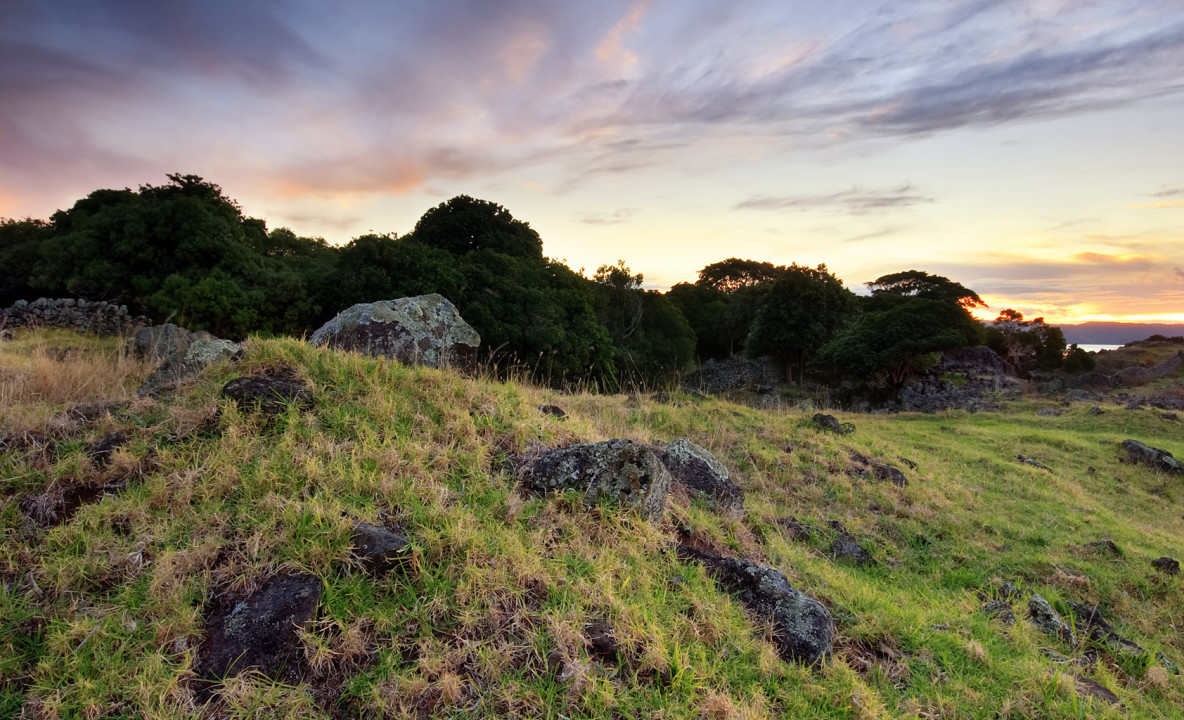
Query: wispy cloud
point(856, 201)
point(615, 217)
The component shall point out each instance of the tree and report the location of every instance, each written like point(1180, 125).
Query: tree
point(651, 338)
point(892, 344)
point(915, 283)
point(22, 244)
point(464, 225)
point(1026, 344)
point(734, 274)
point(802, 311)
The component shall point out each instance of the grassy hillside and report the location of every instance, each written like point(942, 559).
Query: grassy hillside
point(110, 566)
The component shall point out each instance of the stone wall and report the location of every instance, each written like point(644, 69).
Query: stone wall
point(735, 373)
point(100, 318)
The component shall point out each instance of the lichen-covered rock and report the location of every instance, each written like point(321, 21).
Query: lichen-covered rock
point(803, 629)
point(270, 395)
point(1000, 610)
point(380, 549)
point(261, 631)
point(1049, 621)
point(828, 422)
point(183, 354)
point(424, 330)
point(620, 471)
point(696, 469)
point(1142, 454)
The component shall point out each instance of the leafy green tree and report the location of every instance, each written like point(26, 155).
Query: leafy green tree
point(915, 283)
point(1078, 360)
point(734, 274)
point(22, 243)
point(1027, 344)
point(803, 310)
point(892, 344)
point(705, 309)
point(651, 338)
point(464, 225)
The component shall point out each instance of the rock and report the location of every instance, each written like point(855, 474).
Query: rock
point(1132, 376)
point(1169, 416)
point(101, 450)
point(881, 470)
point(1096, 628)
point(380, 549)
point(261, 631)
point(268, 394)
point(621, 471)
point(1094, 689)
point(1142, 454)
point(803, 630)
point(1000, 610)
point(735, 373)
point(796, 530)
point(602, 642)
point(1050, 412)
point(1166, 565)
point(425, 329)
point(1032, 462)
point(185, 354)
point(1048, 621)
point(1096, 410)
point(696, 469)
point(552, 410)
point(1008, 591)
point(831, 424)
point(1167, 663)
point(846, 547)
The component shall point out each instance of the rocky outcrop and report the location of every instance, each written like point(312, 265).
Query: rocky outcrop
point(1049, 621)
point(624, 472)
point(80, 315)
point(268, 394)
point(261, 632)
point(735, 373)
point(1166, 565)
point(425, 330)
point(1153, 457)
point(803, 629)
point(182, 354)
point(1134, 376)
point(697, 470)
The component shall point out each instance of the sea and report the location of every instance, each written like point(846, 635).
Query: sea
point(1097, 348)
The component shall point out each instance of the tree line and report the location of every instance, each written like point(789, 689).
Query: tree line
point(183, 250)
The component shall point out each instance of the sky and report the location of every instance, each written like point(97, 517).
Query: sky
point(1032, 150)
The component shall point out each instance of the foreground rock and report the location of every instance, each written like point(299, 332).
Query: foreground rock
point(1166, 565)
point(182, 354)
point(880, 470)
point(846, 547)
point(696, 469)
point(1142, 454)
point(1049, 621)
point(268, 394)
point(380, 549)
point(261, 632)
point(618, 471)
point(803, 629)
point(831, 424)
point(425, 330)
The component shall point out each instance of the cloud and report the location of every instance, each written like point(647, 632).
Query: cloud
point(615, 217)
point(1164, 204)
point(856, 201)
point(1179, 273)
point(1170, 192)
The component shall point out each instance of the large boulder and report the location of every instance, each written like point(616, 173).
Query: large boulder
point(696, 469)
point(262, 631)
point(620, 471)
point(425, 330)
point(803, 629)
point(182, 354)
point(1143, 454)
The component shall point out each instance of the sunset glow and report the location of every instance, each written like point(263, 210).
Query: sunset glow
point(1031, 150)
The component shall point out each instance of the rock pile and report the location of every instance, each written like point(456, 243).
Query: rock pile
point(735, 373)
point(99, 317)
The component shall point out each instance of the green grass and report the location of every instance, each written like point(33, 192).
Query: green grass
point(102, 615)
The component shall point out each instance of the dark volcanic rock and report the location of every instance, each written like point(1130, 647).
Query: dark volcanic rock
point(829, 423)
point(267, 394)
point(1049, 621)
point(795, 529)
point(602, 642)
point(261, 631)
point(424, 330)
point(735, 373)
point(803, 630)
point(1095, 690)
point(1142, 454)
point(1000, 610)
point(881, 470)
point(183, 355)
point(1166, 565)
point(1105, 546)
point(698, 470)
point(846, 547)
point(101, 450)
point(552, 410)
point(380, 549)
point(620, 471)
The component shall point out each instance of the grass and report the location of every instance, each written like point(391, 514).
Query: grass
point(103, 613)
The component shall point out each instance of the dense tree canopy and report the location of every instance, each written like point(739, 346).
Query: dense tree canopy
point(915, 283)
point(734, 274)
point(464, 224)
point(1027, 344)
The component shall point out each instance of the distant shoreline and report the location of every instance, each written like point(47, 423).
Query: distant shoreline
point(1115, 333)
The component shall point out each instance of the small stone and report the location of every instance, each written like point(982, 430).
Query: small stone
point(380, 549)
point(552, 410)
point(829, 423)
point(1166, 565)
point(1049, 621)
point(1000, 610)
point(101, 450)
point(797, 530)
point(846, 547)
point(268, 394)
point(1105, 546)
